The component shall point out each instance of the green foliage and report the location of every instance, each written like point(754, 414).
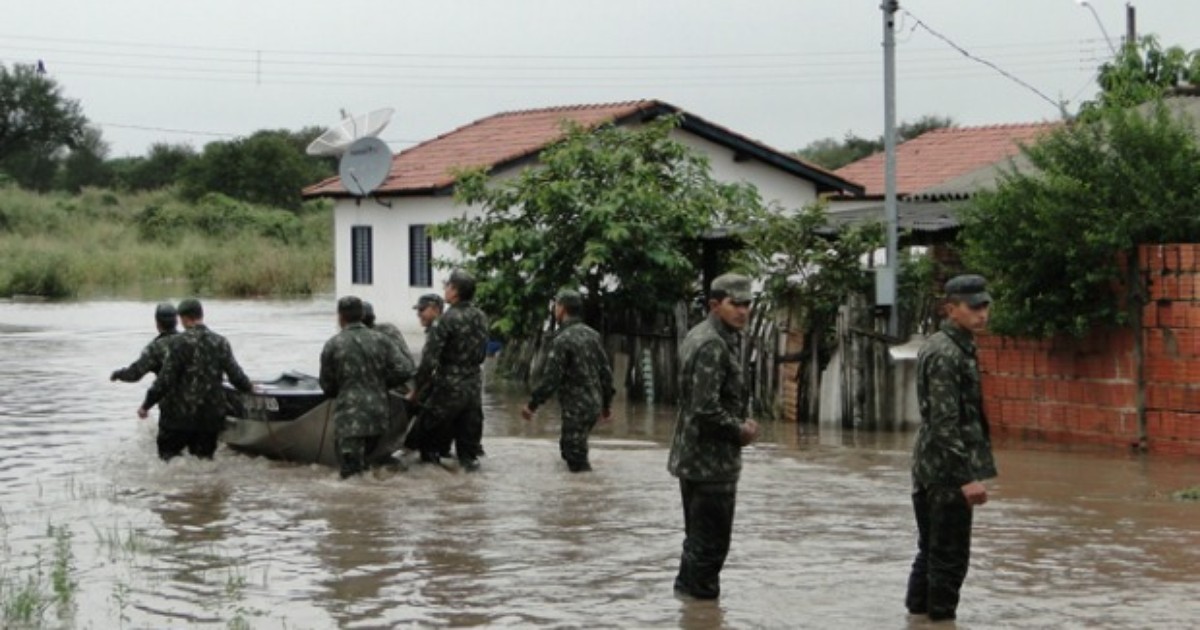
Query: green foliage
point(810, 266)
point(1187, 494)
point(85, 165)
point(160, 167)
point(268, 168)
point(1049, 240)
point(1141, 73)
point(834, 154)
point(105, 243)
point(617, 211)
point(36, 124)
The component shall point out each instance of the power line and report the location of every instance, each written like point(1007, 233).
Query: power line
point(985, 62)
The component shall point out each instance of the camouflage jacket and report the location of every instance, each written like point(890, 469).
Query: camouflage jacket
point(151, 359)
point(393, 334)
point(712, 401)
point(577, 368)
point(953, 446)
point(455, 347)
point(191, 378)
point(358, 367)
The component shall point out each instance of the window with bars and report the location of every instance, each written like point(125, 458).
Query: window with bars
point(361, 262)
point(420, 257)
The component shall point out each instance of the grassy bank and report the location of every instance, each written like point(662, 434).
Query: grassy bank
point(100, 243)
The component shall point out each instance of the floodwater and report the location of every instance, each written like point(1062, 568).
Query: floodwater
point(823, 535)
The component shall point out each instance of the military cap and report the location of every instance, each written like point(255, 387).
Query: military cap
point(733, 286)
point(368, 316)
point(429, 299)
point(970, 288)
point(165, 313)
point(570, 299)
point(190, 307)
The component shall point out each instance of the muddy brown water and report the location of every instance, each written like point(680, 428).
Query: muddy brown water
point(823, 535)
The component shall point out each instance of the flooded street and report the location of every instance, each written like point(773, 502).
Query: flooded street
point(823, 536)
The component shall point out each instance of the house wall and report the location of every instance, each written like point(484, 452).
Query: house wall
point(773, 185)
point(1083, 390)
point(390, 292)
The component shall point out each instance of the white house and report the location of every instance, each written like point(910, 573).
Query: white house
point(384, 253)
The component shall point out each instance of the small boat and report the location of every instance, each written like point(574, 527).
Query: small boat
point(289, 418)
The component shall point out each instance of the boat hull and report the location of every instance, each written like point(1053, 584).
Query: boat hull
point(290, 419)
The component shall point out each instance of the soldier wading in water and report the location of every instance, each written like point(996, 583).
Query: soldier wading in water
point(358, 367)
point(953, 451)
point(706, 452)
point(577, 368)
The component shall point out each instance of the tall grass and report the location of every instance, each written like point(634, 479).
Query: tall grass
point(100, 243)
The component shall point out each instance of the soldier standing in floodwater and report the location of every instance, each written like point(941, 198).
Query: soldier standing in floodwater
point(429, 309)
point(191, 378)
point(389, 332)
point(706, 451)
point(358, 371)
point(952, 455)
point(451, 376)
point(577, 368)
point(155, 352)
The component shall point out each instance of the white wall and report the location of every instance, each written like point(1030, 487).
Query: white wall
point(389, 291)
point(773, 185)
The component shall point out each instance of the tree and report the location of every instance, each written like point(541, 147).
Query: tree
point(1142, 73)
point(268, 168)
point(85, 165)
point(617, 211)
point(810, 270)
point(36, 124)
point(161, 167)
point(834, 154)
point(1051, 239)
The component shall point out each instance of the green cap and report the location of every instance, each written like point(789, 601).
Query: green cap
point(970, 288)
point(733, 286)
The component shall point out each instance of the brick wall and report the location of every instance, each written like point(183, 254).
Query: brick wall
point(1083, 390)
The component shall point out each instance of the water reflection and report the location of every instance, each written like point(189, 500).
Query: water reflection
point(823, 535)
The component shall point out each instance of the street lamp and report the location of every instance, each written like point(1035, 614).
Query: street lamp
point(1085, 3)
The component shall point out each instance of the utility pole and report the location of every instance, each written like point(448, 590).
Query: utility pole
point(1130, 27)
point(885, 277)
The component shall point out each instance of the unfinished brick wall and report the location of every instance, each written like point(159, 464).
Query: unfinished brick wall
point(1083, 390)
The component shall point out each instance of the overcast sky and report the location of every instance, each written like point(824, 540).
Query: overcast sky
point(782, 71)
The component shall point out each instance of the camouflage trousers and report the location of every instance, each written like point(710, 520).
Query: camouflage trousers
point(943, 551)
point(449, 420)
point(574, 441)
point(352, 454)
point(708, 526)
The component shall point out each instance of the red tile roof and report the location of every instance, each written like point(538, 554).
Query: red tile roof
point(510, 137)
point(938, 156)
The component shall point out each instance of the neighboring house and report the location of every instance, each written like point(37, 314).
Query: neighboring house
point(935, 173)
point(383, 250)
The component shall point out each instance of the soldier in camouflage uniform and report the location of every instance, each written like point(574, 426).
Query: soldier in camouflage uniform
point(953, 451)
point(577, 368)
point(390, 332)
point(358, 371)
point(191, 382)
point(155, 352)
point(709, 435)
point(450, 377)
point(429, 309)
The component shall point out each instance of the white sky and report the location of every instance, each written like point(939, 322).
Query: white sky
point(783, 71)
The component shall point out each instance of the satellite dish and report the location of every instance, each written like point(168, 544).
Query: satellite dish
point(364, 165)
point(339, 137)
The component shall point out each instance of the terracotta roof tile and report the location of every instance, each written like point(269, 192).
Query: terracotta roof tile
point(938, 156)
point(507, 137)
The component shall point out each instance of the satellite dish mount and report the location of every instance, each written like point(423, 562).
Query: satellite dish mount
point(365, 160)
